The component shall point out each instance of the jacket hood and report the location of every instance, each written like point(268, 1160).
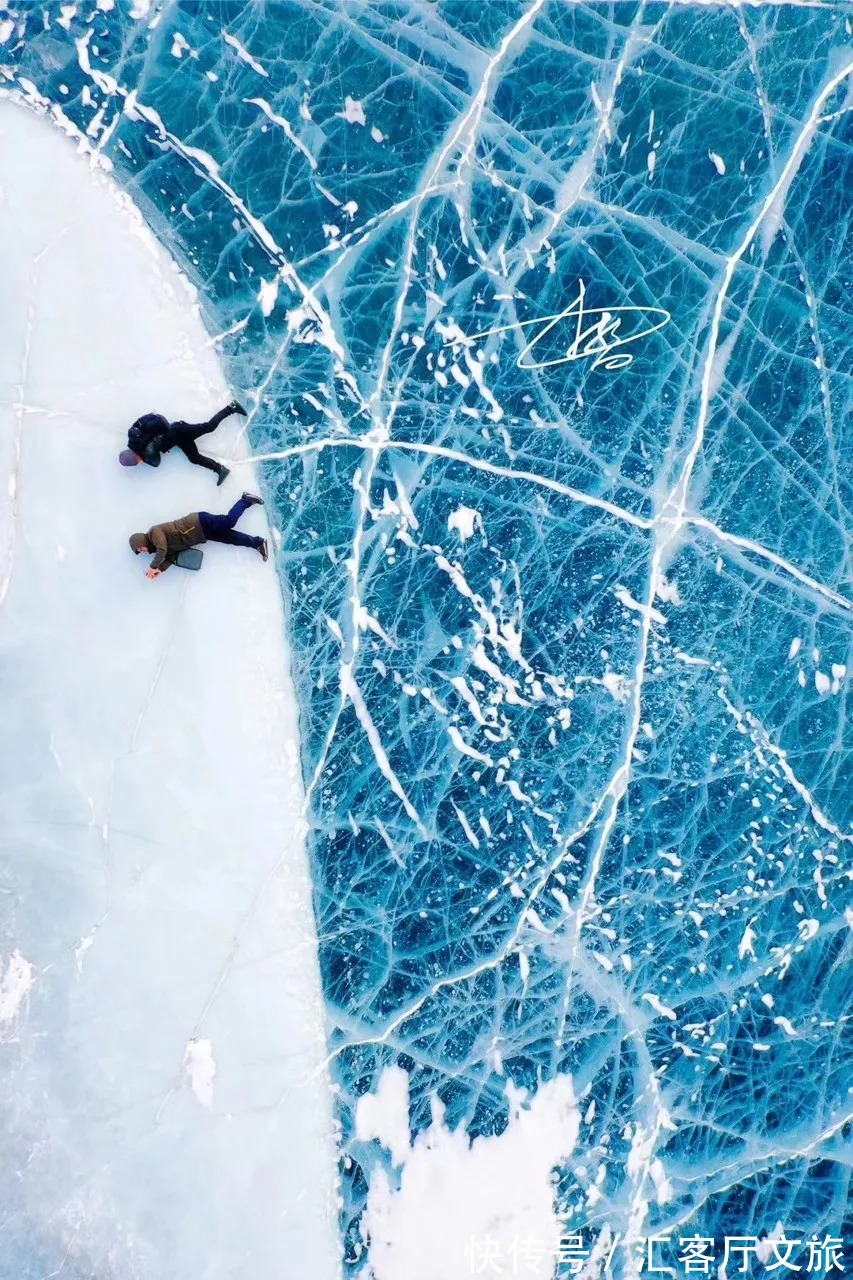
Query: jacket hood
point(137, 541)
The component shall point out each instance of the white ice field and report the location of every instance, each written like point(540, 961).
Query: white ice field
point(164, 1105)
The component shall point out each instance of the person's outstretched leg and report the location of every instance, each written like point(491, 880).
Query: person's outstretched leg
point(204, 428)
point(233, 537)
point(189, 449)
point(185, 434)
point(219, 528)
point(242, 504)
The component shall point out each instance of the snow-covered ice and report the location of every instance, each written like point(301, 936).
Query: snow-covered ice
point(165, 1110)
point(458, 1201)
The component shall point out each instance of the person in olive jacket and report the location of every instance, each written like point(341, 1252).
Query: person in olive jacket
point(166, 541)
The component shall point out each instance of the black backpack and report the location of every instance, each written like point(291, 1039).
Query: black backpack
point(144, 430)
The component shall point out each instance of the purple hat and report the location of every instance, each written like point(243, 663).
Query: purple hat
point(128, 458)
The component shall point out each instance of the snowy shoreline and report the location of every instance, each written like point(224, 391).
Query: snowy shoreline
point(164, 1096)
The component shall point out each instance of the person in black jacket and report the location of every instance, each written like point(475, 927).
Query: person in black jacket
point(153, 435)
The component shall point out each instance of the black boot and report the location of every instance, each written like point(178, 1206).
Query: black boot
point(224, 473)
point(263, 549)
point(252, 500)
point(236, 407)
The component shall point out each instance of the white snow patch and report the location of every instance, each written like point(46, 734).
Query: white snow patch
point(822, 682)
point(467, 750)
point(454, 1192)
point(200, 1068)
point(82, 947)
point(641, 1158)
point(618, 686)
point(796, 645)
point(786, 1026)
point(267, 295)
point(16, 981)
point(464, 520)
point(384, 1115)
point(6, 29)
point(747, 943)
point(243, 54)
point(690, 659)
point(353, 111)
point(286, 127)
point(623, 595)
point(764, 1246)
point(718, 162)
point(658, 1005)
point(668, 591)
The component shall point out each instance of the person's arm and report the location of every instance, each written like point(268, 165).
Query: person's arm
point(151, 453)
point(162, 559)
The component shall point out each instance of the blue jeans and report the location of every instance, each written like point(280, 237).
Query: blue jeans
point(221, 528)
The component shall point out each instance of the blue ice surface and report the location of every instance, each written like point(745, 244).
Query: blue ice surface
point(508, 753)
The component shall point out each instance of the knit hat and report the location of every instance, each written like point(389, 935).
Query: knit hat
point(128, 458)
point(137, 542)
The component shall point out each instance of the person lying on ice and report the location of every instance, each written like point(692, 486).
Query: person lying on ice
point(152, 434)
point(167, 541)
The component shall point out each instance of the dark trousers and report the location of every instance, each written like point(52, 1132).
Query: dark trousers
point(183, 436)
point(221, 528)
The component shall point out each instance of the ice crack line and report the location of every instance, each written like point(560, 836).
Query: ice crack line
point(581, 172)
point(482, 966)
point(456, 455)
point(20, 406)
point(556, 486)
point(463, 133)
point(667, 532)
point(15, 472)
point(756, 548)
point(209, 170)
point(713, 370)
point(673, 514)
point(763, 739)
point(668, 526)
point(761, 1155)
